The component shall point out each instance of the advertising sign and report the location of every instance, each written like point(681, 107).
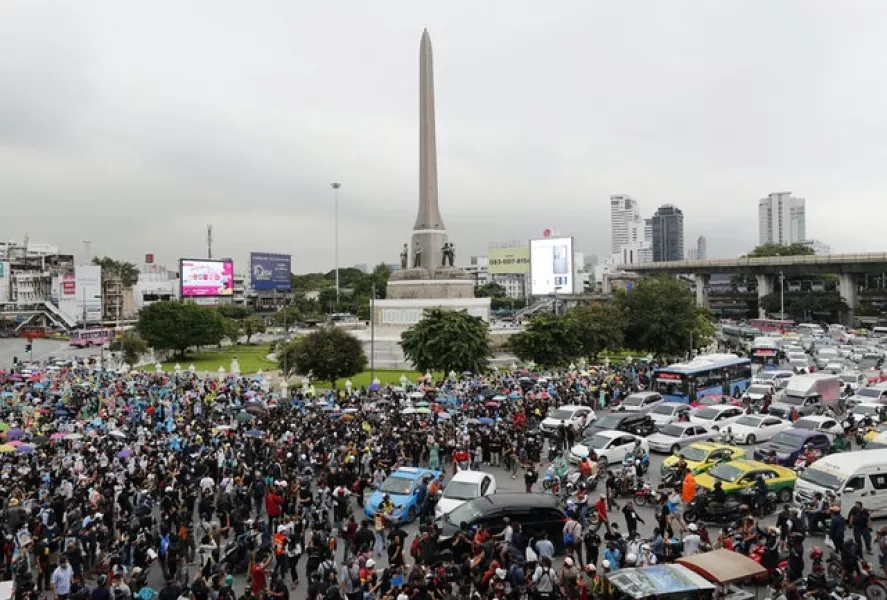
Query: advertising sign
point(204, 278)
point(270, 271)
point(508, 261)
point(551, 266)
point(87, 294)
point(69, 284)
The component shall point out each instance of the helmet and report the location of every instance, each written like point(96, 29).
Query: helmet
point(645, 547)
point(692, 527)
point(605, 564)
point(370, 563)
point(816, 553)
point(631, 558)
point(568, 562)
point(590, 568)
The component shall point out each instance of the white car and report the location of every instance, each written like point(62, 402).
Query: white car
point(853, 379)
point(671, 438)
point(750, 429)
point(569, 414)
point(610, 445)
point(669, 412)
point(462, 487)
point(757, 391)
point(875, 410)
point(778, 379)
point(829, 425)
point(642, 402)
point(716, 417)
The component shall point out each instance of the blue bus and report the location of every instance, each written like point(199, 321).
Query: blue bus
point(709, 374)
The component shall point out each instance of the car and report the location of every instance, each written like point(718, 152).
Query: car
point(876, 411)
point(570, 414)
point(535, 513)
point(738, 475)
point(853, 379)
point(716, 417)
point(757, 391)
point(610, 446)
point(776, 378)
point(714, 400)
point(872, 393)
point(822, 423)
point(875, 432)
point(671, 438)
point(642, 402)
point(462, 487)
point(669, 412)
point(702, 456)
point(751, 429)
point(787, 446)
point(401, 487)
point(636, 423)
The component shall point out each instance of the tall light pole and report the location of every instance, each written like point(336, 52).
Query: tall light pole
point(781, 296)
point(373, 333)
point(336, 185)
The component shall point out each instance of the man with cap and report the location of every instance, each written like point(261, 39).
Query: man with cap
point(692, 541)
point(837, 527)
point(226, 592)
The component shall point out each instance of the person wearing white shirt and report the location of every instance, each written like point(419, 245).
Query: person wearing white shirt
point(61, 579)
point(692, 541)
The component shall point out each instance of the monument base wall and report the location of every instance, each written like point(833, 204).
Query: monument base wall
point(403, 313)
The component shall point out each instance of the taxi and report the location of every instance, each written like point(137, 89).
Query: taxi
point(740, 474)
point(875, 431)
point(702, 456)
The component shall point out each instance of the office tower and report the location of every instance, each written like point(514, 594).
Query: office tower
point(781, 219)
point(701, 248)
point(625, 217)
point(668, 233)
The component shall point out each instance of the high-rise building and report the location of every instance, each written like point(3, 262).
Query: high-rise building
point(625, 218)
point(701, 248)
point(692, 254)
point(668, 233)
point(819, 248)
point(781, 219)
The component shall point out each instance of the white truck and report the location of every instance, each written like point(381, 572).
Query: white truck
point(808, 394)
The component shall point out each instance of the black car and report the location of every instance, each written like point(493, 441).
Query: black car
point(638, 424)
point(535, 513)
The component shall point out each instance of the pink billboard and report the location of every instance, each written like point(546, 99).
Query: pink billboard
point(206, 278)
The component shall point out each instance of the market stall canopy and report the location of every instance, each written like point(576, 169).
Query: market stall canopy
point(660, 580)
point(723, 566)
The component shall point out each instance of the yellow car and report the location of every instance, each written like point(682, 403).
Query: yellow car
point(702, 456)
point(738, 475)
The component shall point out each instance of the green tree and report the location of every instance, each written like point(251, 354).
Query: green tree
point(234, 311)
point(662, 317)
point(288, 315)
point(131, 346)
point(447, 341)
point(489, 290)
point(549, 341)
point(598, 327)
point(126, 271)
point(770, 249)
point(328, 353)
point(252, 325)
point(180, 325)
point(802, 306)
point(233, 329)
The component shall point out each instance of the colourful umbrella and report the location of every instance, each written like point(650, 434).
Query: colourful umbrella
point(125, 453)
point(16, 443)
point(25, 450)
point(57, 436)
point(424, 410)
point(4, 426)
point(4, 448)
point(14, 434)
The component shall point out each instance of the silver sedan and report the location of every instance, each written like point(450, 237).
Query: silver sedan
point(674, 436)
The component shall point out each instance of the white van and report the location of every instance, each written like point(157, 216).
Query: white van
point(853, 476)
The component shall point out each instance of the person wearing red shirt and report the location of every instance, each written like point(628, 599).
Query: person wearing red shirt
point(273, 506)
point(601, 507)
point(259, 578)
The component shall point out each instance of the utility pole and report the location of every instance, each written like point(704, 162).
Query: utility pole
point(336, 185)
point(209, 241)
point(781, 296)
point(373, 333)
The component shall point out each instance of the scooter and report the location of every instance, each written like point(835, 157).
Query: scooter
point(551, 483)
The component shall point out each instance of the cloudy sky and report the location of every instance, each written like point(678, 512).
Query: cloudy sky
point(135, 124)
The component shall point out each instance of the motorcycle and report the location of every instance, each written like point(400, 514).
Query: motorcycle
point(236, 557)
point(647, 495)
point(756, 552)
point(730, 511)
point(551, 483)
point(865, 581)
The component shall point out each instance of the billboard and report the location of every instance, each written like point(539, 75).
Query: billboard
point(551, 266)
point(508, 261)
point(270, 271)
point(206, 278)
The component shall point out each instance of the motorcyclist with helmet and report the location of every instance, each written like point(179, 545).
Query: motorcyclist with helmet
point(717, 497)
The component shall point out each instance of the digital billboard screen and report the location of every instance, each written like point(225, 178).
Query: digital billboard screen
point(204, 278)
point(551, 266)
point(270, 271)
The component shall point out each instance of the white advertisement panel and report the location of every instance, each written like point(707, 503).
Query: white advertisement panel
point(80, 294)
point(551, 266)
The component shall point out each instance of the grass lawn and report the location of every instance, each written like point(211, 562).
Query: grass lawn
point(251, 359)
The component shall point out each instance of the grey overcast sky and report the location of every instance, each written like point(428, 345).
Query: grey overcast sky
point(134, 124)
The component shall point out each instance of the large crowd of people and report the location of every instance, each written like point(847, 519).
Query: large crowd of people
point(176, 485)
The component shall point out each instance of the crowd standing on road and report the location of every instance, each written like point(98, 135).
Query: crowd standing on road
point(222, 490)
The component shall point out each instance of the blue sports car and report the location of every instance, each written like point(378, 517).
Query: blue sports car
point(401, 487)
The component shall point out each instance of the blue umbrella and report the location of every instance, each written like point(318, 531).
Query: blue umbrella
point(125, 453)
point(6, 395)
point(255, 432)
point(485, 421)
point(514, 396)
point(374, 386)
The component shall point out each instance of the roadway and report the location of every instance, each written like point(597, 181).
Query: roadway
point(42, 349)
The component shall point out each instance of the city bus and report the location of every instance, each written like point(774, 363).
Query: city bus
point(86, 338)
point(773, 325)
point(705, 375)
point(766, 351)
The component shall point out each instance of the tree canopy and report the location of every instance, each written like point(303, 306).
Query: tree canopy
point(447, 341)
point(130, 345)
point(662, 317)
point(126, 271)
point(796, 249)
point(489, 290)
point(327, 353)
point(179, 325)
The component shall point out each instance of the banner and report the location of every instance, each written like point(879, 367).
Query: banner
point(508, 261)
point(270, 271)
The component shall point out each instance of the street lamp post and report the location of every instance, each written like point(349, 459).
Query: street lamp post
point(781, 296)
point(373, 333)
point(336, 185)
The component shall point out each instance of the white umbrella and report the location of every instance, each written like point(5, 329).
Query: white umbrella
point(409, 411)
point(115, 433)
point(74, 436)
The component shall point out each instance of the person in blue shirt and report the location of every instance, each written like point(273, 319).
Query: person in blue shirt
point(613, 555)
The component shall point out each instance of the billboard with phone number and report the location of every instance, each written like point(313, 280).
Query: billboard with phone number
point(508, 260)
point(270, 271)
point(551, 266)
point(205, 278)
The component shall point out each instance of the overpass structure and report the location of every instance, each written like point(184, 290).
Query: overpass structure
point(767, 270)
